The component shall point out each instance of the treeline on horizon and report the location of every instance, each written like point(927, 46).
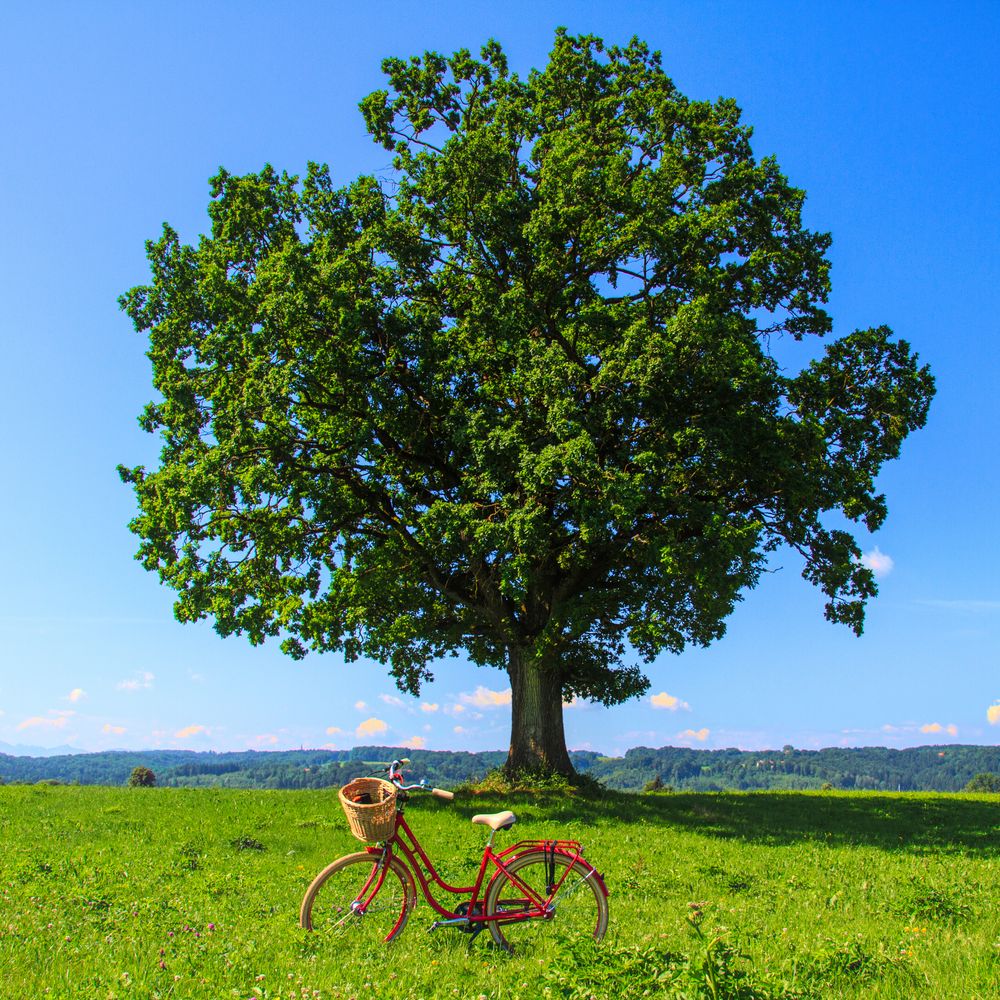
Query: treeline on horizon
point(928, 768)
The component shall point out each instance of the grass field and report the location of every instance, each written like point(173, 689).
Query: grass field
point(114, 893)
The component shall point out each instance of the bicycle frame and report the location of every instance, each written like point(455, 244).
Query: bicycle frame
point(404, 844)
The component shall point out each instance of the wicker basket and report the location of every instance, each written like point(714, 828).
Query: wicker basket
point(370, 807)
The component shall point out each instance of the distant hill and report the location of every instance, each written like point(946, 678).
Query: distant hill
point(930, 768)
point(22, 750)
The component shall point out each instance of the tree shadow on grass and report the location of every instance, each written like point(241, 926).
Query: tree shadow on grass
point(912, 822)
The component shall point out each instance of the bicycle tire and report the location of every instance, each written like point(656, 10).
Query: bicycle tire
point(327, 905)
point(580, 907)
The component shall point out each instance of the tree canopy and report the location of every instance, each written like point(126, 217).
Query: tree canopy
point(517, 396)
point(141, 777)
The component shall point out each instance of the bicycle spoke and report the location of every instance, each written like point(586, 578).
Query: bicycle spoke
point(346, 900)
point(576, 911)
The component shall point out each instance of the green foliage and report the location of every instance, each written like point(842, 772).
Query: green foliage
point(502, 781)
point(949, 768)
point(984, 782)
point(713, 971)
point(518, 398)
point(934, 902)
point(942, 768)
point(105, 892)
point(847, 960)
point(190, 855)
point(141, 777)
point(245, 843)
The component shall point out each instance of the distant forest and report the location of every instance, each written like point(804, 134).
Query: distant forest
point(931, 768)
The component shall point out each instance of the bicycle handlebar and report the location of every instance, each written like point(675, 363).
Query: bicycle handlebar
point(395, 773)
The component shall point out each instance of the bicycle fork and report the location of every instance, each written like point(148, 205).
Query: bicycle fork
point(359, 906)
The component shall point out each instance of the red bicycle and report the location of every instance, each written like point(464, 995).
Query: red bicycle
point(533, 883)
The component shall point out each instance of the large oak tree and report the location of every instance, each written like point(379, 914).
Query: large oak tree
point(516, 397)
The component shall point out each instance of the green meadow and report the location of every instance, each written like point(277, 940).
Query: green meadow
point(113, 893)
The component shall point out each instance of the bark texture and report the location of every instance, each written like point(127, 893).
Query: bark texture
point(538, 742)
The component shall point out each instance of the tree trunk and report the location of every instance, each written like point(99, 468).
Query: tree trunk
point(537, 738)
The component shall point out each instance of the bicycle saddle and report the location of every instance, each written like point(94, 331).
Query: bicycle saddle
point(496, 821)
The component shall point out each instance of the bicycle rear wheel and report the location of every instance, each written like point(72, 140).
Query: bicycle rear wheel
point(346, 900)
point(579, 907)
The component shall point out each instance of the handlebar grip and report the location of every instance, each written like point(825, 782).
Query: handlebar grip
point(440, 793)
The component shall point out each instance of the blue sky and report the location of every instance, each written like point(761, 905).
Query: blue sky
point(115, 115)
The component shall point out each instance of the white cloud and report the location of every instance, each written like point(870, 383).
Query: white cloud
point(391, 699)
point(77, 694)
point(333, 731)
point(429, 706)
point(371, 727)
point(142, 681)
point(694, 734)
point(188, 731)
point(459, 730)
point(483, 697)
point(878, 562)
point(454, 709)
point(668, 701)
point(935, 727)
point(414, 743)
point(112, 730)
point(360, 706)
point(993, 714)
point(265, 739)
point(40, 721)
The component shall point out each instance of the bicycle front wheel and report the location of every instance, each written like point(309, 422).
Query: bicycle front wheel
point(351, 899)
point(578, 903)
